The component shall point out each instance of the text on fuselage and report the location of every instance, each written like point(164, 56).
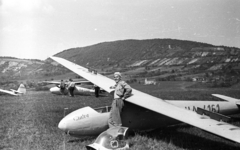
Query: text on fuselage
point(76, 118)
point(212, 107)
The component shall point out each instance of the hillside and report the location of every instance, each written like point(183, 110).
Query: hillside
point(161, 59)
point(128, 51)
point(18, 69)
point(132, 52)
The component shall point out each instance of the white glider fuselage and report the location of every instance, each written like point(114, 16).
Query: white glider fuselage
point(88, 122)
point(77, 91)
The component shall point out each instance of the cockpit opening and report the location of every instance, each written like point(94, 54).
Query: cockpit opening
point(103, 109)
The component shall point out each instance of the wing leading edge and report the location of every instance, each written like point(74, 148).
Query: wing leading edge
point(160, 106)
point(76, 82)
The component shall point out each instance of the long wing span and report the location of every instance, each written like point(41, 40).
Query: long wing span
point(76, 82)
point(160, 106)
point(51, 82)
point(8, 92)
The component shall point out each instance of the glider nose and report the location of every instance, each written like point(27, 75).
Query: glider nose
point(51, 90)
point(62, 125)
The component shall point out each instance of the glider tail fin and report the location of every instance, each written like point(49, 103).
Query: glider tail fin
point(22, 89)
point(227, 98)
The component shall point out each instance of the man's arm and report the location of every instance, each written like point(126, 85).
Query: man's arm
point(127, 90)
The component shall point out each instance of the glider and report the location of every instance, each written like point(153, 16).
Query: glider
point(79, 90)
point(145, 112)
point(21, 90)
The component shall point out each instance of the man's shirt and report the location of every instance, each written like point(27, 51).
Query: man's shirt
point(71, 84)
point(122, 89)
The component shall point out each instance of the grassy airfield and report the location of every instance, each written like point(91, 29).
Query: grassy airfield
point(30, 122)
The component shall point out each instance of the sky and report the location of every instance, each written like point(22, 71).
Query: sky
point(37, 29)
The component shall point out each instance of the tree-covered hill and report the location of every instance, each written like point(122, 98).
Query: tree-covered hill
point(127, 52)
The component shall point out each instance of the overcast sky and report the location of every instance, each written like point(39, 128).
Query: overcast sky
point(37, 29)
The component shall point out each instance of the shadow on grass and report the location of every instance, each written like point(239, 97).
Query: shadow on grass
point(188, 137)
point(82, 139)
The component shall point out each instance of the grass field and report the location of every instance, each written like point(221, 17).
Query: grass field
point(30, 122)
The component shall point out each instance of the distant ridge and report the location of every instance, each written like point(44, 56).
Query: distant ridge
point(126, 52)
point(21, 59)
point(20, 69)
